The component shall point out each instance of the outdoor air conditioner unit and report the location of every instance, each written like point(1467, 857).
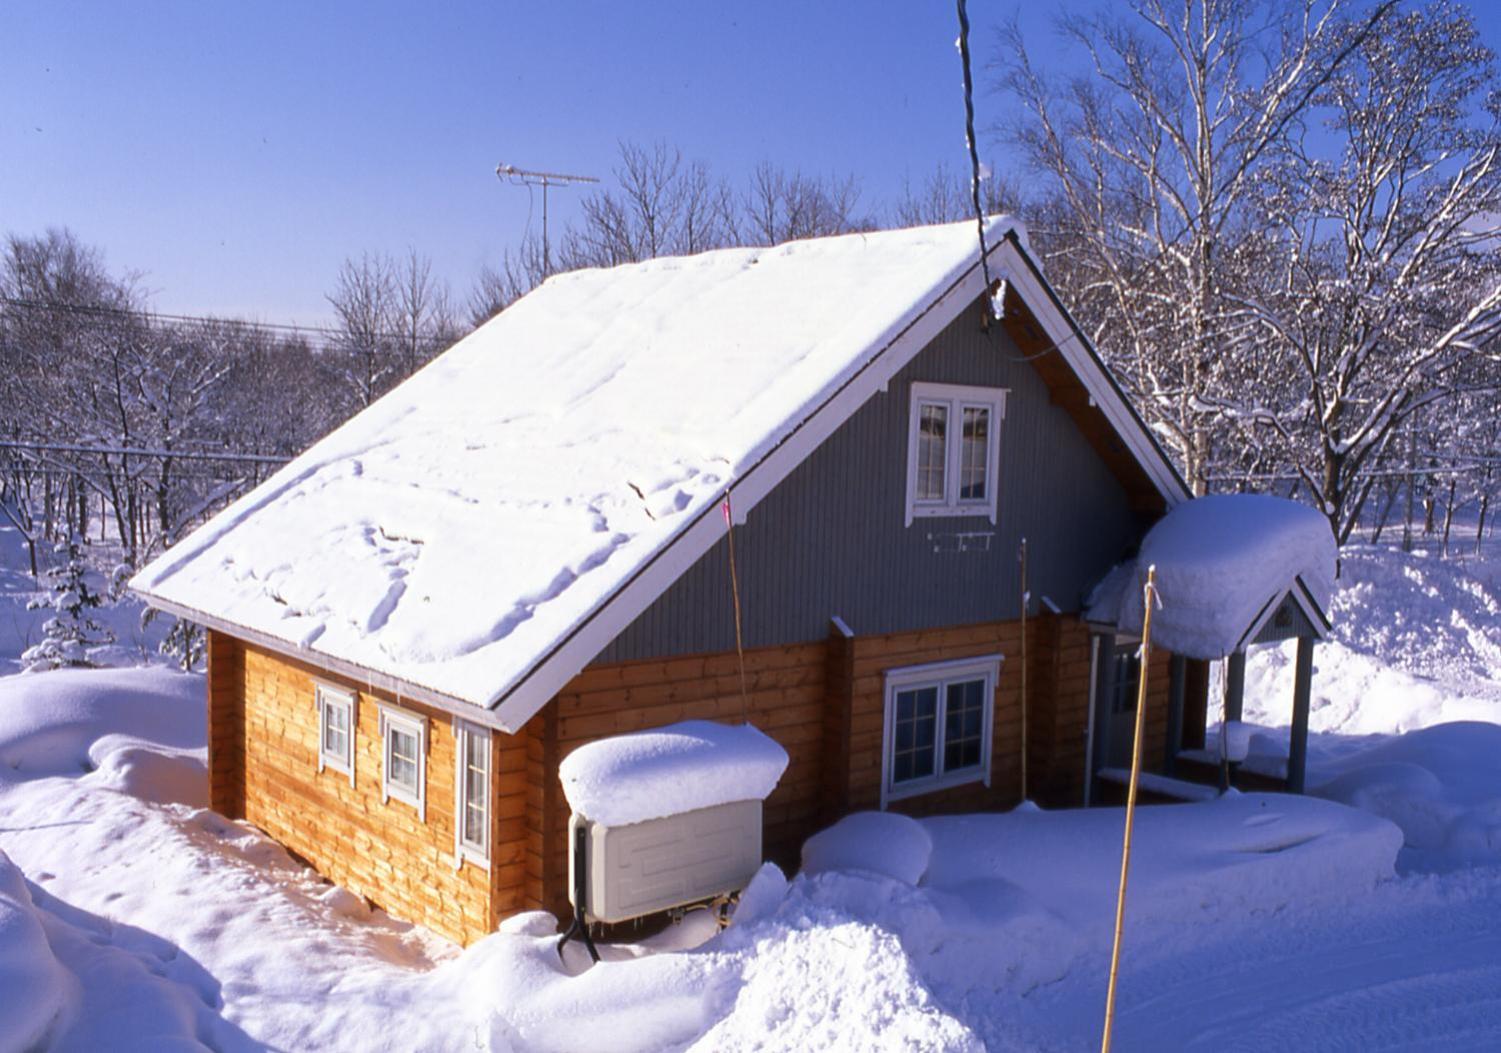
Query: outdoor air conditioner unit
point(643, 868)
point(663, 819)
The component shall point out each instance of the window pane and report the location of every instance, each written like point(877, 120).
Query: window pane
point(1126, 678)
point(973, 453)
point(963, 722)
point(914, 755)
point(932, 452)
point(403, 750)
point(476, 790)
point(335, 731)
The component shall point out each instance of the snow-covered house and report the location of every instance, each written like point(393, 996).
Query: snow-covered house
point(524, 548)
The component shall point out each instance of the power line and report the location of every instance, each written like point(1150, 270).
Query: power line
point(100, 311)
point(141, 451)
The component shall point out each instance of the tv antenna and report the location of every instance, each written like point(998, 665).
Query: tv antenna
point(525, 177)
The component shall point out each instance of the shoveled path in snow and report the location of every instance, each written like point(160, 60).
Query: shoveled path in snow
point(1417, 966)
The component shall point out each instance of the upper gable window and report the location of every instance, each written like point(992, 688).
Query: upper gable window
point(953, 446)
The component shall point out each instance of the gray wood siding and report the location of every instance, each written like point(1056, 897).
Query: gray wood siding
point(831, 539)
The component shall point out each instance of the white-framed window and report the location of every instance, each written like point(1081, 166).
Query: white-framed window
point(953, 446)
point(403, 773)
point(939, 719)
point(336, 728)
point(471, 835)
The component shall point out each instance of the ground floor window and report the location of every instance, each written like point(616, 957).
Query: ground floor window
point(336, 728)
point(404, 759)
point(939, 719)
point(472, 805)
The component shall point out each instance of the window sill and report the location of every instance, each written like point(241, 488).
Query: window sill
point(974, 511)
point(472, 856)
point(918, 788)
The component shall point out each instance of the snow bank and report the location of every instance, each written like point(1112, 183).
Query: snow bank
point(1238, 854)
point(882, 842)
point(1220, 560)
point(1441, 785)
point(140, 731)
point(670, 770)
point(37, 993)
point(472, 518)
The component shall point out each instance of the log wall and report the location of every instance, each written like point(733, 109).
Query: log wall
point(381, 850)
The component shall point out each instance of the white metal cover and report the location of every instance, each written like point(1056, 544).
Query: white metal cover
point(663, 863)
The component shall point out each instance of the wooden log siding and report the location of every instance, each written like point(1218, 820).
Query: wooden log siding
point(785, 699)
point(226, 726)
point(823, 701)
point(382, 851)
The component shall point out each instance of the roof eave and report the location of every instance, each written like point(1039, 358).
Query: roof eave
point(372, 679)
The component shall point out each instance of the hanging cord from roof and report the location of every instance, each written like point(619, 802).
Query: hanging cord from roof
point(729, 530)
point(974, 164)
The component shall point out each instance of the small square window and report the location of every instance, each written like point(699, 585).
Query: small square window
point(953, 450)
point(938, 725)
point(404, 759)
point(336, 728)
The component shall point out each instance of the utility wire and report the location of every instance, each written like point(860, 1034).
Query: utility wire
point(969, 139)
point(102, 312)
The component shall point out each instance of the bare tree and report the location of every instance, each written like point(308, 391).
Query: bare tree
point(780, 206)
point(1386, 288)
point(365, 300)
point(944, 197)
point(1150, 159)
point(663, 207)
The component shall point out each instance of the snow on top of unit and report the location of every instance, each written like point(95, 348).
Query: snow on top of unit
point(1220, 560)
point(670, 770)
point(454, 532)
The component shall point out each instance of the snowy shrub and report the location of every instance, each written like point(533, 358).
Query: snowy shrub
point(71, 637)
point(185, 641)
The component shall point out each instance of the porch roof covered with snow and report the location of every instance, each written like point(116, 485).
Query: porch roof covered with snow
point(477, 536)
point(1232, 570)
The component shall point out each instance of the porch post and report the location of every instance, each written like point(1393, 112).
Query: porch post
point(1177, 678)
point(1235, 685)
point(1297, 750)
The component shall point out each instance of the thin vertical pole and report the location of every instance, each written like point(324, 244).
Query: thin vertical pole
point(546, 256)
point(1022, 557)
point(729, 523)
point(1149, 598)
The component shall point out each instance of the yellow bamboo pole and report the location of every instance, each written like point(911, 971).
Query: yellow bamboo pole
point(1022, 558)
point(1149, 597)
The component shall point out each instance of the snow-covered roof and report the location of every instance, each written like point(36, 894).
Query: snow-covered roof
point(482, 532)
point(1223, 563)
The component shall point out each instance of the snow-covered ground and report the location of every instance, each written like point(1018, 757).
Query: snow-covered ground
point(131, 917)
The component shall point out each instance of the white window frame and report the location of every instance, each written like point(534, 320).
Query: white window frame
point(478, 854)
point(955, 398)
point(413, 724)
point(939, 675)
point(327, 697)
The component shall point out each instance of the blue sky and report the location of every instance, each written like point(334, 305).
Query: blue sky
point(236, 153)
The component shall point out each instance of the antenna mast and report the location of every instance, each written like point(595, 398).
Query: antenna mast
point(525, 177)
